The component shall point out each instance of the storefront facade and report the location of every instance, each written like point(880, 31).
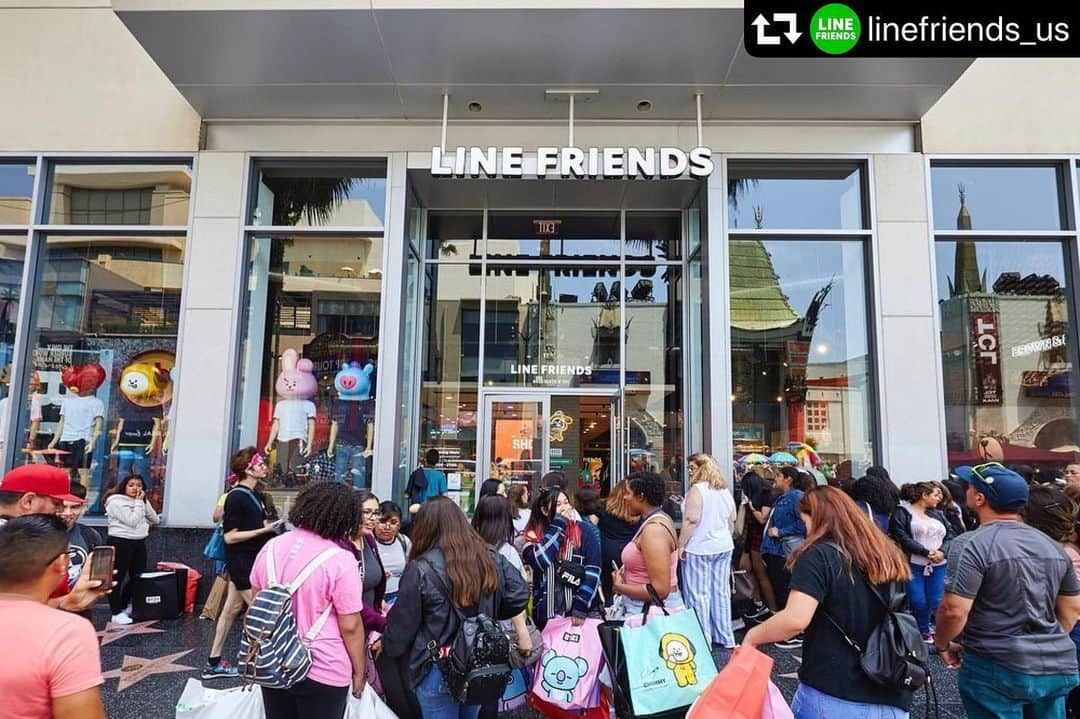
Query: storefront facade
point(595, 293)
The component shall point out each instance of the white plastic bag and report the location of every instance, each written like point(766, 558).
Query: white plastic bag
point(198, 702)
point(368, 706)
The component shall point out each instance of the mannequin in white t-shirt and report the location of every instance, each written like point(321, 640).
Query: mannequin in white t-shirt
point(293, 428)
point(82, 418)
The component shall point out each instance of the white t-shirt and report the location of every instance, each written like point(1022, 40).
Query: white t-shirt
point(292, 416)
point(522, 521)
point(393, 558)
point(79, 414)
point(713, 533)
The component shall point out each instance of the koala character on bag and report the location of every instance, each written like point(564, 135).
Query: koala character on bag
point(678, 652)
point(560, 675)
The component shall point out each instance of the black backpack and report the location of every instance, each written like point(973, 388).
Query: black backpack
point(416, 486)
point(476, 664)
point(895, 655)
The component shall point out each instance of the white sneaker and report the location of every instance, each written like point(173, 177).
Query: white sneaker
point(121, 618)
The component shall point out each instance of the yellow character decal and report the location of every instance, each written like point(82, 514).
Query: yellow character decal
point(678, 652)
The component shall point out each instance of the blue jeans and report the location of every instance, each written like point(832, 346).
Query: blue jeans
point(809, 703)
point(925, 593)
point(436, 702)
point(350, 463)
point(133, 460)
point(991, 691)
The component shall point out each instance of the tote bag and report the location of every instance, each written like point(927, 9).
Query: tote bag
point(568, 671)
point(740, 691)
point(669, 662)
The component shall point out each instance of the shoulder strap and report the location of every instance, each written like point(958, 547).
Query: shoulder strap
point(317, 626)
point(252, 495)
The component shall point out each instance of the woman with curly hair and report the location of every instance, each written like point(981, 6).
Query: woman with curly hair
point(876, 496)
point(327, 604)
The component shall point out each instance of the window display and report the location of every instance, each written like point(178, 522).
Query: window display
point(310, 358)
point(103, 358)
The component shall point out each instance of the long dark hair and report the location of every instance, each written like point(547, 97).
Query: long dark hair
point(881, 494)
point(544, 510)
point(835, 517)
point(440, 524)
point(121, 486)
point(492, 521)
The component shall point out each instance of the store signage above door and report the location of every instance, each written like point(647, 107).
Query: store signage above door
point(593, 162)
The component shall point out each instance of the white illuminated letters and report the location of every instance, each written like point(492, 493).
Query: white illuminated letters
point(591, 163)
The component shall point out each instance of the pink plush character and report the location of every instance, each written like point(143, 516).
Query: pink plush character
point(294, 414)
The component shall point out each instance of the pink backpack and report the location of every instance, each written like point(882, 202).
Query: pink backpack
point(568, 670)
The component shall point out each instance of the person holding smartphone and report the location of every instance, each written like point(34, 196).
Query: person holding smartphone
point(130, 516)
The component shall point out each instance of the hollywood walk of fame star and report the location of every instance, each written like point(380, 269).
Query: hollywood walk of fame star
point(135, 669)
point(112, 632)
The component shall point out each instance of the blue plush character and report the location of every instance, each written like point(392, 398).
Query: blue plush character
point(352, 425)
point(561, 675)
point(353, 383)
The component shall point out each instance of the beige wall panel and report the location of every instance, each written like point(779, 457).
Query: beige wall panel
point(1008, 106)
point(76, 80)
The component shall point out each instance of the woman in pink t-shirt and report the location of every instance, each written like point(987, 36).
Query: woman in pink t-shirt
point(325, 516)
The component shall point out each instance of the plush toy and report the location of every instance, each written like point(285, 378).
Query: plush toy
point(294, 414)
point(352, 430)
point(82, 417)
point(138, 429)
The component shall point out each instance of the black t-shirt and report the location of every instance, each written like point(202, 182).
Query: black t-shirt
point(830, 664)
point(244, 512)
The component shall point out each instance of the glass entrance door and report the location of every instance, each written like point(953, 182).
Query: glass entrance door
point(527, 435)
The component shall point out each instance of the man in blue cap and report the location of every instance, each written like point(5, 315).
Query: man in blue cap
point(1011, 598)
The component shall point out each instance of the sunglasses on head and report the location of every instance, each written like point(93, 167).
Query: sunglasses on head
point(988, 481)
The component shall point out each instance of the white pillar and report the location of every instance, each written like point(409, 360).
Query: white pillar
point(200, 437)
point(912, 420)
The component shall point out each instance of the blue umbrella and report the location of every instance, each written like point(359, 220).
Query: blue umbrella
point(783, 458)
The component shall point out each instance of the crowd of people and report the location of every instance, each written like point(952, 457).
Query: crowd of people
point(987, 562)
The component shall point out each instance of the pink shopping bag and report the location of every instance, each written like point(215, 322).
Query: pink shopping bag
point(568, 670)
point(775, 707)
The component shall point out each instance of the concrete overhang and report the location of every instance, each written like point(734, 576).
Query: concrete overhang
point(393, 60)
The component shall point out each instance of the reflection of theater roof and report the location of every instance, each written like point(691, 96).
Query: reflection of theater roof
point(757, 302)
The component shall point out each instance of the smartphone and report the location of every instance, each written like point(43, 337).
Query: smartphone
point(102, 559)
point(614, 566)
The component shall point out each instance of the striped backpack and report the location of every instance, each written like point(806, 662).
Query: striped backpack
point(272, 652)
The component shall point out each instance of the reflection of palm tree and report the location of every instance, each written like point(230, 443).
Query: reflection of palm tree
point(736, 187)
point(310, 198)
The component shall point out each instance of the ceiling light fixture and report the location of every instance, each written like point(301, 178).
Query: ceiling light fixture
point(475, 106)
point(644, 106)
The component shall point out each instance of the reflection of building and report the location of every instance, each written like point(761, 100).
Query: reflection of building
point(1007, 369)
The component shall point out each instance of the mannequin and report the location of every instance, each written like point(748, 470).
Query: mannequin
point(352, 430)
point(135, 438)
point(82, 418)
point(294, 414)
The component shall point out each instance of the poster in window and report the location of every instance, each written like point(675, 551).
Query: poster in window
point(986, 357)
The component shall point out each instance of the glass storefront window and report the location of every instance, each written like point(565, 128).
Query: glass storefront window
point(800, 357)
point(653, 236)
point(780, 195)
point(551, 328)
point(299, 194)
point(12, 257)
point(578, 235)
point(450, 368)
point(1008, 348)
point(653, 403)
point(1003, 197)
point(310, 357)
point(455, 236)
point(16, 192)
point(103, 344)
point(119, 194)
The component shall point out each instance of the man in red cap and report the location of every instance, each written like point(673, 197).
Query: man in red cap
point(34, 489)
point(43, 489)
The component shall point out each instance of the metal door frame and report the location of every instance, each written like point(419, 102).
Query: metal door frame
point(488, 396)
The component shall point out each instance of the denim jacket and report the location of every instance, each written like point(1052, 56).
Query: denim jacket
point(785, 517)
